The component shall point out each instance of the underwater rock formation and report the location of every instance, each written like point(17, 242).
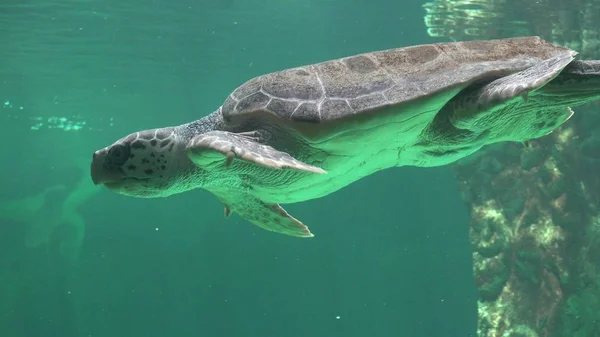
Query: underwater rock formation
point(535, 231)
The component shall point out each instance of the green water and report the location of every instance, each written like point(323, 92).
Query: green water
point(391, 256)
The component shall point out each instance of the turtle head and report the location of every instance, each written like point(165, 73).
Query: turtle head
point(150, 163)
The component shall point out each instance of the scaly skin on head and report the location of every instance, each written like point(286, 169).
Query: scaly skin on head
point(152, 163)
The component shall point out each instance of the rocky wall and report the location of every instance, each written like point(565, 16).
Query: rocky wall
point(535, 231)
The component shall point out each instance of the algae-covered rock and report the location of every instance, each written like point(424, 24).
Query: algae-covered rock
point(579, 313)
point(529, 223)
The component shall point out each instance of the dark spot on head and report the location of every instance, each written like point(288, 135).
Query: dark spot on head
point(138, 145)
point(162, 155)
point(163, 167)
point(153, 142)
point(131, 167)
point(164, 143)
point(148, 171)
point(145, 161)
point(171, 146)
point(117, 155)
point(152, 155)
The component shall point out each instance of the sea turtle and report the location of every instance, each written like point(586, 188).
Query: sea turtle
point(306, 132)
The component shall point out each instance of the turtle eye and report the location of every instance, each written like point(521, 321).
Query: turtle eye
point(118, 154)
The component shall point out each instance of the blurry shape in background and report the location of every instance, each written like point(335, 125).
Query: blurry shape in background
point(23, 210)
point(54, 208)
point(13, 113)
point(568, 23)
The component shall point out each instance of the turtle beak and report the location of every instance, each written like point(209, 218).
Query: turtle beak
point(99, 173)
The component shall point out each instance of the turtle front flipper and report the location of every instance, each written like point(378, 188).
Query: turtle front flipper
point(208, 148)
point(271, 217)
point(476, 108)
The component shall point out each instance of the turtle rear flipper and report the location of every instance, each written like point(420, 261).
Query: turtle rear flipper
point(271, 217)
point(474, 110)
point(201, 150)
